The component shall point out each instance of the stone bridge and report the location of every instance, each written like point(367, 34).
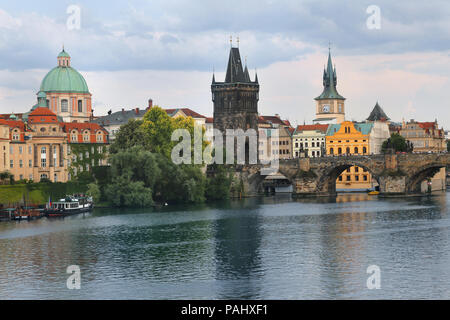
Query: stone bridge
point(395, 173)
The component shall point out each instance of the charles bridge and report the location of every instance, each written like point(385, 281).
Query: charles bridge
point(395, 173)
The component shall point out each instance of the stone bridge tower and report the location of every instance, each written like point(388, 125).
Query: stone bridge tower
point(236, 99)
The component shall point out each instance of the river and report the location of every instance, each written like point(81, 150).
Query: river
point(259, 248)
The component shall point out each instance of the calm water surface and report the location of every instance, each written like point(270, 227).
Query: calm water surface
point(265, 248)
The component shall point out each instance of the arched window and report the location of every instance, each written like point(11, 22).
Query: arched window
point(348, 150)
point(86, 136)
point(80, 105)
point(356, 150)
point(339, 150)
point(64, 105)
point(364, 150)
point(331, 151)
point(73, 136)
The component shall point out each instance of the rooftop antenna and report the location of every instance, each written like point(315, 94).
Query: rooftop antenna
point(231, 41)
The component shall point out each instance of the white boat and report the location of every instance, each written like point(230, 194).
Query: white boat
point(69, 205)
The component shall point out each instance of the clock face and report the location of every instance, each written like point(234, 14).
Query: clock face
point(326, 108)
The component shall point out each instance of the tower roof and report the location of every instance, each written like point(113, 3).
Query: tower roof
point(235, 73)
point(330, 82)
point(377, 114)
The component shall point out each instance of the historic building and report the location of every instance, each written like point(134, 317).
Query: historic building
point(427, 137)
point(43, 147)
point(65, 92)
point(350, 138)
point(236, 99)
point(330, 105)
point(275, 138)
point(380, 129)
point(309, 140)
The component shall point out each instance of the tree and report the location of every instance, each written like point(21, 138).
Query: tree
point(94, 191)
point(397, 143)
point(123, 192)
point(448, 145)
point(218, 187)
point(129, 135)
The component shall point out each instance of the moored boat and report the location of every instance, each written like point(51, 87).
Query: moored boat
point(68, 206)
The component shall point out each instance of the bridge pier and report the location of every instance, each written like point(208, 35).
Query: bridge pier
point(391, 185)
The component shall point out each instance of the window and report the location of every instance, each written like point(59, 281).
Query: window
point(364, 150)
point(44, 176)
point(11, 149)
point(11, 163)
point(30, 163)
point(20, 165)
point(43, 162)
point(348, 170)
point(20, 149)
point(56, 177)
point(365, 177)
point(80, 105)
point(356, 178)
point(64, 105)
point(348, 150)
point(30, 150)
point(348, 178)
point(356, 149)
point(340, 178)
point(43, 150)
point(331, 151)
point(339, 150)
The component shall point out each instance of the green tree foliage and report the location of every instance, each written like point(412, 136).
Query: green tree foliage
point(219, 186)
point(94, 191)
point(129, 135)
point(395, 142)
point(448, 145)
point(123, 192)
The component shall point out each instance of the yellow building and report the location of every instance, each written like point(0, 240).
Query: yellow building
point(349, 138)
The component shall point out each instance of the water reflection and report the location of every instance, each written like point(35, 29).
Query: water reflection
point(268, 248)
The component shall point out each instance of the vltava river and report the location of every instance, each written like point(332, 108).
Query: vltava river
point(265, 248)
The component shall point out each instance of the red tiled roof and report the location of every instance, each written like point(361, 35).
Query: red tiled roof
point(209, 120)
point(272, 119)
point(82, 126)
point(40, 111)
point(426, 125)
point(188, 112)
point(320, 127)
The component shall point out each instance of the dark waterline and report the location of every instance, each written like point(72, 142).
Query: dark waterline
point(260, 248)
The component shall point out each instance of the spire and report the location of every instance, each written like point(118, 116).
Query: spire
point(330, 81)
point(235, 72)
point(256, 76)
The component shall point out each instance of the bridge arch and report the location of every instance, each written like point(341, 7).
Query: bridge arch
point(415, 179)
point(328, 177)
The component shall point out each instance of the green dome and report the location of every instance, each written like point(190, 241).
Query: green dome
point(63, 54)
point(64, 79)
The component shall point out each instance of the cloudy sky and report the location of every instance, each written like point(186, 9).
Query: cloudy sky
point(129, 51)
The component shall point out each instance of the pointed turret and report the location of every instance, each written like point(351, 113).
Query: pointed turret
point(330, 82)
point(246, 75)
point(256, 77)
point(377, 114)
point(235, 72)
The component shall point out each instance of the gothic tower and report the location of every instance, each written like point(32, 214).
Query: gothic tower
point(236, 99)
point(330, 104)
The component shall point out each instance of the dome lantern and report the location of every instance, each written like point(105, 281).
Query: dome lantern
point(63, 59)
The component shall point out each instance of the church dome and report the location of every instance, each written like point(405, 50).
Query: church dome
point(64, 78)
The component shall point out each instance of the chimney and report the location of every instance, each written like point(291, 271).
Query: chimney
point(137, 111)
point(150, 104)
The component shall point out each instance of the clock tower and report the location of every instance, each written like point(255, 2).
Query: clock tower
point(330, 105)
